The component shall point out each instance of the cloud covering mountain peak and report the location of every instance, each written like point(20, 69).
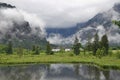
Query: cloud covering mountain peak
point(63, 13)
point(101, 23)
point(19, 26)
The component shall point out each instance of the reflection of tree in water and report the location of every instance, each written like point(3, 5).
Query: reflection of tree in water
point(57, 72)
point(76, 66)
point(90, 72)
point(22, 73)
point(48, 67)
point(106, 74)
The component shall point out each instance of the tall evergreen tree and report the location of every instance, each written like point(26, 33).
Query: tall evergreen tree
point(37, 50)
point(95, 44)
point(20, 51)
point(105, 44)
point(76, 46)
point(48, 49)
point(33, 48)
point(88, 46)
point(9, 49)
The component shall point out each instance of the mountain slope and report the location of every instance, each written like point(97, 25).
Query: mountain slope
point(101, 23)
point(15, 28)
point(65, 32)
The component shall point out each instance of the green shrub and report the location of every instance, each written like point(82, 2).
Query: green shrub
point(99, 53)
point(110, 52)
point(71, 54)
point(51, 53)
point(118, 54)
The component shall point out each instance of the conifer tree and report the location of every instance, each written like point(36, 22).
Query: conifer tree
point(105, 44)
point(76, 46)
point(20, 51)
point(48, 49)
point(95, 44)
point(9, 49)
point(33, 48)
point(37, 50)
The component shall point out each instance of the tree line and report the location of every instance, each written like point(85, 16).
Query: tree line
point(98, 47)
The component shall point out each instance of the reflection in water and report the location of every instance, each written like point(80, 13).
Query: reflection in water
point(57, 72)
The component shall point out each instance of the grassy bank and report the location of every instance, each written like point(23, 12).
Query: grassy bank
point(104, 62)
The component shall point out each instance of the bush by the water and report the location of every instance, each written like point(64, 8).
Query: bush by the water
point(99, 53)
point(118, 54)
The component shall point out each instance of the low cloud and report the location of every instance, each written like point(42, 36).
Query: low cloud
point(112, 33)
point(35, 23)
point(9, 16)
point(55, 39)
point(60, 40)
point(63, 13)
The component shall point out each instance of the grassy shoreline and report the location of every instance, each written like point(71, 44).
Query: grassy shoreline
point(107, 62)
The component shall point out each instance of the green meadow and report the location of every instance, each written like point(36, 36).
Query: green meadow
point(110, 61)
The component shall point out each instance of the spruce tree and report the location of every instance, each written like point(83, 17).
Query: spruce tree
point(105, 44)
point(95, 44)
point(88, 45)
point(37, 50)
point(9, 49)
point(33, 48)
point(20, 51)
point(48, 49)
point(76, 46)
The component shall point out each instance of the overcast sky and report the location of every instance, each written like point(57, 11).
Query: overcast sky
point(63, 13)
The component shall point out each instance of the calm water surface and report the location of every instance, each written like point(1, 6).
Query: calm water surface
point(57, 72)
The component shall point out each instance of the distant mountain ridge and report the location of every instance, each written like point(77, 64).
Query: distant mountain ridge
point(65, 32)
point(101, 23)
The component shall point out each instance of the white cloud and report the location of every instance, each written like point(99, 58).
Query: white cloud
point(112, 33)
point(34, 22)
point(58, 39)
point(63, 13)
point(10, 16)
point(55, 39)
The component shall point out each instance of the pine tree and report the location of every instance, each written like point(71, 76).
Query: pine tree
point(48, 49)
point(9, 49)
point(76, 46)
point(88, 46)
point(105, 44)
point(20, 51)
point(37, 50)
point(95, 44)
point(33, 48)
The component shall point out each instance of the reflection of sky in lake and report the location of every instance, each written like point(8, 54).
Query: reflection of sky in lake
point(57, 72)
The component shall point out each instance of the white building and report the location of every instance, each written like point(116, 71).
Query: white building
point(67, 50)
point(55, 50)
